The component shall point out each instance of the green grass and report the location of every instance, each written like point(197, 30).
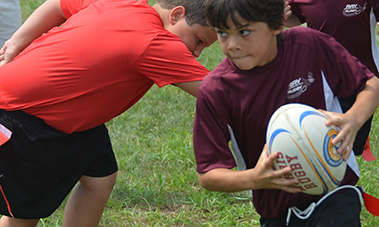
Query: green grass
point(28, 6)
point(157, 182)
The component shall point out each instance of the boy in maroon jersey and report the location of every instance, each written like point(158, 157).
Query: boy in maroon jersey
point(351, 23)
point(266, 68)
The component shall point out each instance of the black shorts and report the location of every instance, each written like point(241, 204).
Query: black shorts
point(339, 210)
point(40, 165)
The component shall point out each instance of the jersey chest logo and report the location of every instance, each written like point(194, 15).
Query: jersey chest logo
point(353, 9)
point(298, 86)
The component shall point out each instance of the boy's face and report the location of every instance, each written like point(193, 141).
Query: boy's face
point(196, 37)
point(253, 44)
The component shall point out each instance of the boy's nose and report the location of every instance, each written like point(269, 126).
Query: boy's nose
point(197, 52)
point(233, 43)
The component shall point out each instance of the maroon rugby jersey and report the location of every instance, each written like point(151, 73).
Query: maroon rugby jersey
point(310, 68)
point(350, 22)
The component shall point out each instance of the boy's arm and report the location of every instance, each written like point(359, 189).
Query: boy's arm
point(292, 21)
point(190, 87)
point(261, 176)
point(45, 17)
point(365, 105)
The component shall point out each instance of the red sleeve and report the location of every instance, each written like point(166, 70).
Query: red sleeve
point(167, 60)
point(70, 7)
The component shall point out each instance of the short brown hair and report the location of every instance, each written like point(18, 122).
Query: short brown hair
point(195, 10)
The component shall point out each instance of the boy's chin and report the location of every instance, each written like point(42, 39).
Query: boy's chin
point(244, 63)
point(244, 66)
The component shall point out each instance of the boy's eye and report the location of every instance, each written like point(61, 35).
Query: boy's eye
point(221, 33)
point(244, 32)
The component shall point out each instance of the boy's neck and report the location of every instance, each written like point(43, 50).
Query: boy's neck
point(163, 14)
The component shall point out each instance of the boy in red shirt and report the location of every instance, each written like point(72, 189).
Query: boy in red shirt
point(71, 67)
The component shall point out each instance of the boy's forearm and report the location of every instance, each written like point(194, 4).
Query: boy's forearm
point(47, 16)
point(292, 21)
point(225, 180)
point(191, 88)
point(367, 101)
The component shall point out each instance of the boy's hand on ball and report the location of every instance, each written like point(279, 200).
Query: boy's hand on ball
point(267, 177)
point(348, 130)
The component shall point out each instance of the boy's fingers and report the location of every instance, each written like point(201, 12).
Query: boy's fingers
point(340, 137)
point(269, 160)
point(332, 120)
point(278, 176)
point(287, 184)
point(346, 147)
point(347, 153)
point(280, 173)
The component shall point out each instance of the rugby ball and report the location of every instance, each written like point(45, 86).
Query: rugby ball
point(298, 134)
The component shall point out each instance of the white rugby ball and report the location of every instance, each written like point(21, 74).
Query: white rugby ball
point(297, 132)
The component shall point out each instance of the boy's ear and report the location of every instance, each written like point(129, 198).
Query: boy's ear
point(176, 14)
point(280, 29)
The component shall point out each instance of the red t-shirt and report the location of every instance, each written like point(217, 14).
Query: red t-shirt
point(96, 65)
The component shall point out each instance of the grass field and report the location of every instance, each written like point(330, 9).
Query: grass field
point(157, 183)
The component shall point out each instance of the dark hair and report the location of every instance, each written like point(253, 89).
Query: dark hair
point(268, 11)
point(195, 10)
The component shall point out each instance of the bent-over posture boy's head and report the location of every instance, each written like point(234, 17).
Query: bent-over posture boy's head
point(186, 19)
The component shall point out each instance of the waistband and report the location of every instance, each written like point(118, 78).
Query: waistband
point(24, 117)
